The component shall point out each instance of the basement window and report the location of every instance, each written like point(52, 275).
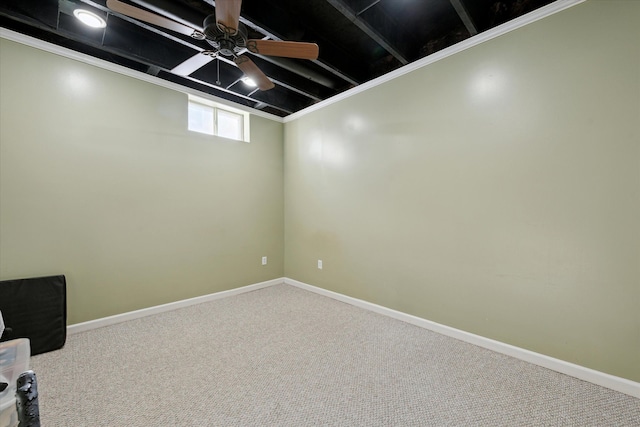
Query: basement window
point(209, 117)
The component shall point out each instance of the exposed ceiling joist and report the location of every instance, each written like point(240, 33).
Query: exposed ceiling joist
point(248, 98)
point(369, 6)
point(367, 29)
point(464, 16)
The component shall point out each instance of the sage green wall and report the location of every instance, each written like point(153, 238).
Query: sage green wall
point(101, 181)
point(496, 191)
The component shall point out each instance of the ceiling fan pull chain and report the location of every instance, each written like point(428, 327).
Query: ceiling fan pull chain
point(218, 67)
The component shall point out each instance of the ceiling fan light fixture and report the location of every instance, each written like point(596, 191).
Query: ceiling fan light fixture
point(249, 82)
point(89, 18)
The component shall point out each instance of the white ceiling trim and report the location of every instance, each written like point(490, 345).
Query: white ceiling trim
point(519, 22)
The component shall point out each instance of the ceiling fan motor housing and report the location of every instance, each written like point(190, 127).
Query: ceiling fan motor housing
point(226, 43)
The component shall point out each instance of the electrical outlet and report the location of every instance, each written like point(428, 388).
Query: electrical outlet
point(264, 260)
point(320, 264)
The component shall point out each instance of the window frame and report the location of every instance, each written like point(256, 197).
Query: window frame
point(215, 107)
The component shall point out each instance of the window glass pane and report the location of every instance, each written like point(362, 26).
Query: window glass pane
point(200, 118)
point(230, 124)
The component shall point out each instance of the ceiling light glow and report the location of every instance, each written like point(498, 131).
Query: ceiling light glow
point(89, 18)
point(249, 82)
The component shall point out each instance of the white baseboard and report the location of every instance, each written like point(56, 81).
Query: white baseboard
point(622, 385)
point(118, 318)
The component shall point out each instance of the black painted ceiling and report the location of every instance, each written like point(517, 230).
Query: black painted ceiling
point(359, 40)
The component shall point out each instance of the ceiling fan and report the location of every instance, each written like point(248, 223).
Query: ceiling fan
point(228, 36)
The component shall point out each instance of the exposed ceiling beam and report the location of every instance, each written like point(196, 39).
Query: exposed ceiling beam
point(367, 29)
point(175, 12)
point(464, 15)
point(369, 6)
point(283, 84)
point(300, 69)
point(141, 25)
point(154, 70)
point(239, 95)
point(294, 89)
point(297, 68)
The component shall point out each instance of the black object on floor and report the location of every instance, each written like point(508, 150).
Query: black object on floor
point(27, 400)
point(35, 308)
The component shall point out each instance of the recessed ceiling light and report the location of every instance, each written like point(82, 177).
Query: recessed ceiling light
point(89, 18)
point(249, 82)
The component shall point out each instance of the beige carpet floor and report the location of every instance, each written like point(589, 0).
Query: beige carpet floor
point(282, 356)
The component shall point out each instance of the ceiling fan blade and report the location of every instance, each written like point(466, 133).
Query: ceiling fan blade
point(251, 70)
point(286, 49)
point(228, 15)
point(151, 18)
point(192, 64)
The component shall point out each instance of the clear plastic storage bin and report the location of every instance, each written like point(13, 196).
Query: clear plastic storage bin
point(14, 360)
